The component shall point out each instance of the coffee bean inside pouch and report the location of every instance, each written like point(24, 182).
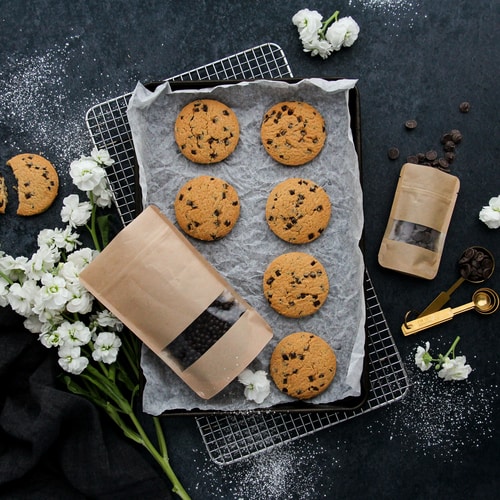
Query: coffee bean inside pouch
point(421, 212)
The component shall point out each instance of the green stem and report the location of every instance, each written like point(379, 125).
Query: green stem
point(161, 458)
point(92, 227)
point(451, 350)
point(161, 438)
point(324, 27)
point(6, 278)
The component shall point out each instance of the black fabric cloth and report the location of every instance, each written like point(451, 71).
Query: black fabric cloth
point(54, 444)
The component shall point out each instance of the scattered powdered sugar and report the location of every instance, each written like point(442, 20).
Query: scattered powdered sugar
point(281, 473)
point(42, 105)
point(441, 419)
point(396, 12)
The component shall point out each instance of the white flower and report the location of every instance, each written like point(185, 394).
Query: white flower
point(454, 369)
point(53, 294)
point(42, 261)
point(106, 347)
point(86, 173)
point(74, 334)
point(102, 157)
point(308, 23)
point(102, 194)
point(106, 319)
point(317, 39)
point(422, 357)
point(22, 297)
point(82, 257)
point(490, 214)
point(13, 268)
point(75, 213)
point(318, 47)
point(70, 359)
point(257, 385)
point(351, 30)
point(335, 35)
point(81, 301)
point(51, 339)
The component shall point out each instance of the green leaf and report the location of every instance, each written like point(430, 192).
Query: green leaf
point(103, 224)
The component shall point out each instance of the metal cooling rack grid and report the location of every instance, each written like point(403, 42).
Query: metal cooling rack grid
point(109, 128)
point(232, 437)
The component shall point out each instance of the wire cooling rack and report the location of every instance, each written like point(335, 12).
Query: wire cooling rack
point(108, 125)
point(231, 437)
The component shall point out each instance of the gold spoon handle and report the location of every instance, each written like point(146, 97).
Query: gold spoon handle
point(424, 322)
point(441, 299)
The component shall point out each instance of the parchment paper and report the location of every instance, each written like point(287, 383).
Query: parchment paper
point(243, 255)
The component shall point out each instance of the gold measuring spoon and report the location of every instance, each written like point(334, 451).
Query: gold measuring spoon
point(476, 265)
point(484, 301)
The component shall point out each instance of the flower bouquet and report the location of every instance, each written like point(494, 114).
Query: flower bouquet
point(99, 357)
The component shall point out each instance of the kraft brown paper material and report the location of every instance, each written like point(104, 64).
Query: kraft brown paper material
point(424, 196)
point(157, 283)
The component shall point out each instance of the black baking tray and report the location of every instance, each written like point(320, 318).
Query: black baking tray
point(347, 404)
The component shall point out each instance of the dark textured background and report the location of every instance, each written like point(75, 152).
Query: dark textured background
point(414, 59)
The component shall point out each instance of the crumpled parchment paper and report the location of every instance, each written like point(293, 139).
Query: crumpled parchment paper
point(243, 255)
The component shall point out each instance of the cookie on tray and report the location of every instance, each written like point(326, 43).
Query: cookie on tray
point(206, 131)
point(3, 195)
point(298, 210)
point(303, 365)
point(207, 208)
point(37, 183)
point(295, 284)
point(293, 132)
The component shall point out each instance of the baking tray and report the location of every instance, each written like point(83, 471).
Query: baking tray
point(230, 438)
point(349, 403)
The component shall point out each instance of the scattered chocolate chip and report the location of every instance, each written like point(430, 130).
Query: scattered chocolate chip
point(464, 107)
point(411, 124)
point(431, 155)
point(393, 153)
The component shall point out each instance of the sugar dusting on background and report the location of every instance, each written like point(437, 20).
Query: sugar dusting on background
point(395, 13)
point(41, 105)
point(441, 419)
point(436, 418)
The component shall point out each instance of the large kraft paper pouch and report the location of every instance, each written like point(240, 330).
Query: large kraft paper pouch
point(420, 215)
point(154, 280)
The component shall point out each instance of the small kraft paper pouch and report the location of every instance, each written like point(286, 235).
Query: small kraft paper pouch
point(421, 212)
point(155, 281)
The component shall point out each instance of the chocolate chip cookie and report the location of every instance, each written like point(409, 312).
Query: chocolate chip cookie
point(303, 365)
point(295, 284)
point(206, 131)
point(298, 210)
point(207, 208)
point(293, 132)
point(37, 183)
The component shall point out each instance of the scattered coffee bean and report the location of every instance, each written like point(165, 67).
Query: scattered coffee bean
point(464, 107)
point(411, 124)
point(393, 153)
point(475, 265)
